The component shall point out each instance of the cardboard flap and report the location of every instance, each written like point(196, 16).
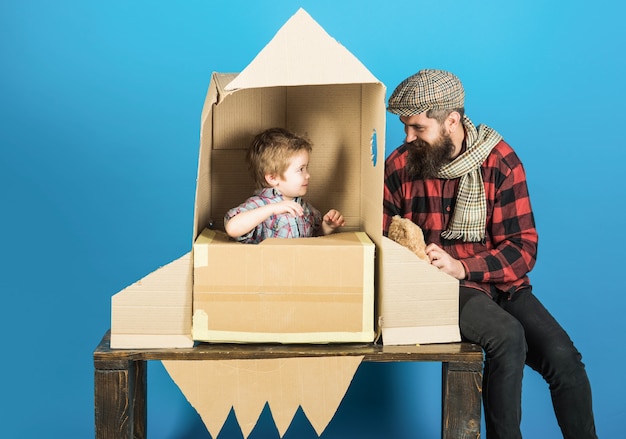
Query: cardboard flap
point(419, 303)
point(302, 53)
point(155, 312)
point(324, 382)
point(317, 384)
point(405, 263)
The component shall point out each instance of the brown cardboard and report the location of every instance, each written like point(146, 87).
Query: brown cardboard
point(341, 106)
point(309, 290)
point(155, 312)
point(305, 81)
point(420, 303)
point(317, 384)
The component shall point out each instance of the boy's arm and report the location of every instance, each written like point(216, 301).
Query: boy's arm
point(245, 221)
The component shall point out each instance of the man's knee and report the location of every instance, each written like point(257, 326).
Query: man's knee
point(510, 340)
point(563, 365)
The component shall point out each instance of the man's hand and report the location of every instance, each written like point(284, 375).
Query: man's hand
point(443, 261)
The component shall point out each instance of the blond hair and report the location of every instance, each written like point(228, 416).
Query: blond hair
point(271, 151)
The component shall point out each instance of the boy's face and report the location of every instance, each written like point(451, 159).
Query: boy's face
point(295, 181)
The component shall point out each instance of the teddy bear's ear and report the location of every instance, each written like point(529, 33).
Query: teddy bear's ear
point(396, 231)
point(405, 232)
point(395, 223)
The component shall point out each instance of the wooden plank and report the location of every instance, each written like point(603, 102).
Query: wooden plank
point(461, 399)
point(444, 352)
point(120, 399)
point(112, 395)
point(139, 401)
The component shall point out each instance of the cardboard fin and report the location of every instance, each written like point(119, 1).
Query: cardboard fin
point(300, 53)
point(155, 312)
point(324, 382)
point(205, 387)
point(283, 409)
point(318, 384)
point(255, 381)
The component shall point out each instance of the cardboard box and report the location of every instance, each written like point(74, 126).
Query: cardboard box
point(308, 290)
point(338, 106)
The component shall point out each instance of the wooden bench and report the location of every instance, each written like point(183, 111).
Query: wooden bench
point(121, 378)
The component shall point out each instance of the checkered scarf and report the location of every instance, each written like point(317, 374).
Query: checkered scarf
point(470, 213)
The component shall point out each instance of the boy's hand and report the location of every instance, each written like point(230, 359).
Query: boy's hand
point(334, 219)
point(287, 206)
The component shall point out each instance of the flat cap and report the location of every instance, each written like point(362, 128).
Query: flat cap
point(428, 89)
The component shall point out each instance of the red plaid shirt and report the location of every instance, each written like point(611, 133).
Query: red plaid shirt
point(508, 252)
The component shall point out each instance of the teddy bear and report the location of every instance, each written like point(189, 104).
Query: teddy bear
point(405, 232)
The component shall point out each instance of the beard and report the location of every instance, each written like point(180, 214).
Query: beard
point(424, 159)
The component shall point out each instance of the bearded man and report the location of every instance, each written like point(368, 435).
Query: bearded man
point(466, 188)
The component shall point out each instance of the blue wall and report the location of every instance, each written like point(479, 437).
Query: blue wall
point(99, 125)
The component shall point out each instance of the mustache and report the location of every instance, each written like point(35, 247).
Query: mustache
point(425, 159)
point(419, 144)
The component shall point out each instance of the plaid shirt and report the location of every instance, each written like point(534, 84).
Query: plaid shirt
point(277, 226)
point(508, 252)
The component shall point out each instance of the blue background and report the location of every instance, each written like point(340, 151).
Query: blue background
point(99, 128)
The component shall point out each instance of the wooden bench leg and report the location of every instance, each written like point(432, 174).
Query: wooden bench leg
point(120, 388)
point(461, 400)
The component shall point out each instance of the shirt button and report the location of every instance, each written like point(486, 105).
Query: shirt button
point(447, 208)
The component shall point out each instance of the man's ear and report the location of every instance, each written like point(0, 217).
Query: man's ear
point(453, 121)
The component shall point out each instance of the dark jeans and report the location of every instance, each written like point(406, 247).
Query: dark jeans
point(517, 332)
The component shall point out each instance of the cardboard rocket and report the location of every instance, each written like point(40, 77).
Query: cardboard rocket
point(343, 287)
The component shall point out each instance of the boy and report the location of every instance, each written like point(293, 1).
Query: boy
point(278, 161)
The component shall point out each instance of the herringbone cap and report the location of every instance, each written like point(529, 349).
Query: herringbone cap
point(428, 89)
